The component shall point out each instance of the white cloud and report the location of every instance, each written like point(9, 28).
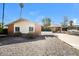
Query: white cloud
point(32, 13)
point(75, 20)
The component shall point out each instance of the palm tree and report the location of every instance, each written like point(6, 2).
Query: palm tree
point(71, 23)
point(3, 15)
point(21, 6)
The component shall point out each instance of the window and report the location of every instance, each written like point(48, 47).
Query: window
point(30, 28)
point(17, 29)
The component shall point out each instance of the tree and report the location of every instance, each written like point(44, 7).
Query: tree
point(21, 6)
point(71, 23)
point(0, 27)
point(3, 15)
point(46, 21)
point(65, 22)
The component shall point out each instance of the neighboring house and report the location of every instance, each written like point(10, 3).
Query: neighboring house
point(23, 26)
point(56, 28)
point(73, 25)
point(76, 27)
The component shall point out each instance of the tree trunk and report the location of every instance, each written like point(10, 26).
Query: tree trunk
point(3, 16)
point(21, 13)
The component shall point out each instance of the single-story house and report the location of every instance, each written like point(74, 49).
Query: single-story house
point(56, 28)
point(23, 26)
point(76, 27)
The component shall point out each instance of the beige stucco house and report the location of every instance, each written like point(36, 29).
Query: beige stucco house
point(55, 28)
point(23, 26)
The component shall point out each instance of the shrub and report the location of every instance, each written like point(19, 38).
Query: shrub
point(17, 34)
point(32, 35)
point(1, 30)
point(46, 29)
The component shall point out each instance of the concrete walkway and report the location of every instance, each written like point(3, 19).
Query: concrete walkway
point(70, 39)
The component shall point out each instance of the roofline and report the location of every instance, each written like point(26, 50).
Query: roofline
point(20, 19)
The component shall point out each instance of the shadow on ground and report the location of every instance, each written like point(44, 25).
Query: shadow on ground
point(13, 40)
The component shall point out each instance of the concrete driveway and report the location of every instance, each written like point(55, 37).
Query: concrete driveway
point(47, 33)
point(72, 40)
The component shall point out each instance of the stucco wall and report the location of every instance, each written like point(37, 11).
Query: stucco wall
point(24, 26)
point(37, 28)
point(10, 28)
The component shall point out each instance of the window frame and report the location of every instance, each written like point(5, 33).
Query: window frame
point(31, 29)
point(17, 29)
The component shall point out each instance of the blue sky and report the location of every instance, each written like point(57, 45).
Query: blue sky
point(37, 11)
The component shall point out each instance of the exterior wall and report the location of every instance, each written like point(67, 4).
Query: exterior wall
point(24, 26)
point(37, 28)
point(56, 29)
point(11, 28)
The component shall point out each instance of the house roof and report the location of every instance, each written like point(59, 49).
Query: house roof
point(20, 19)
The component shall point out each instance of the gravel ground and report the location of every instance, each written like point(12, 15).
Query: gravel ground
point(41, 46)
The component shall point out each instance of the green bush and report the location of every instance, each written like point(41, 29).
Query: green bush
point(46, 29)
point(1, 30)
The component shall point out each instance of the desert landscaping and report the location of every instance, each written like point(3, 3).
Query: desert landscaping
point(45, 45)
